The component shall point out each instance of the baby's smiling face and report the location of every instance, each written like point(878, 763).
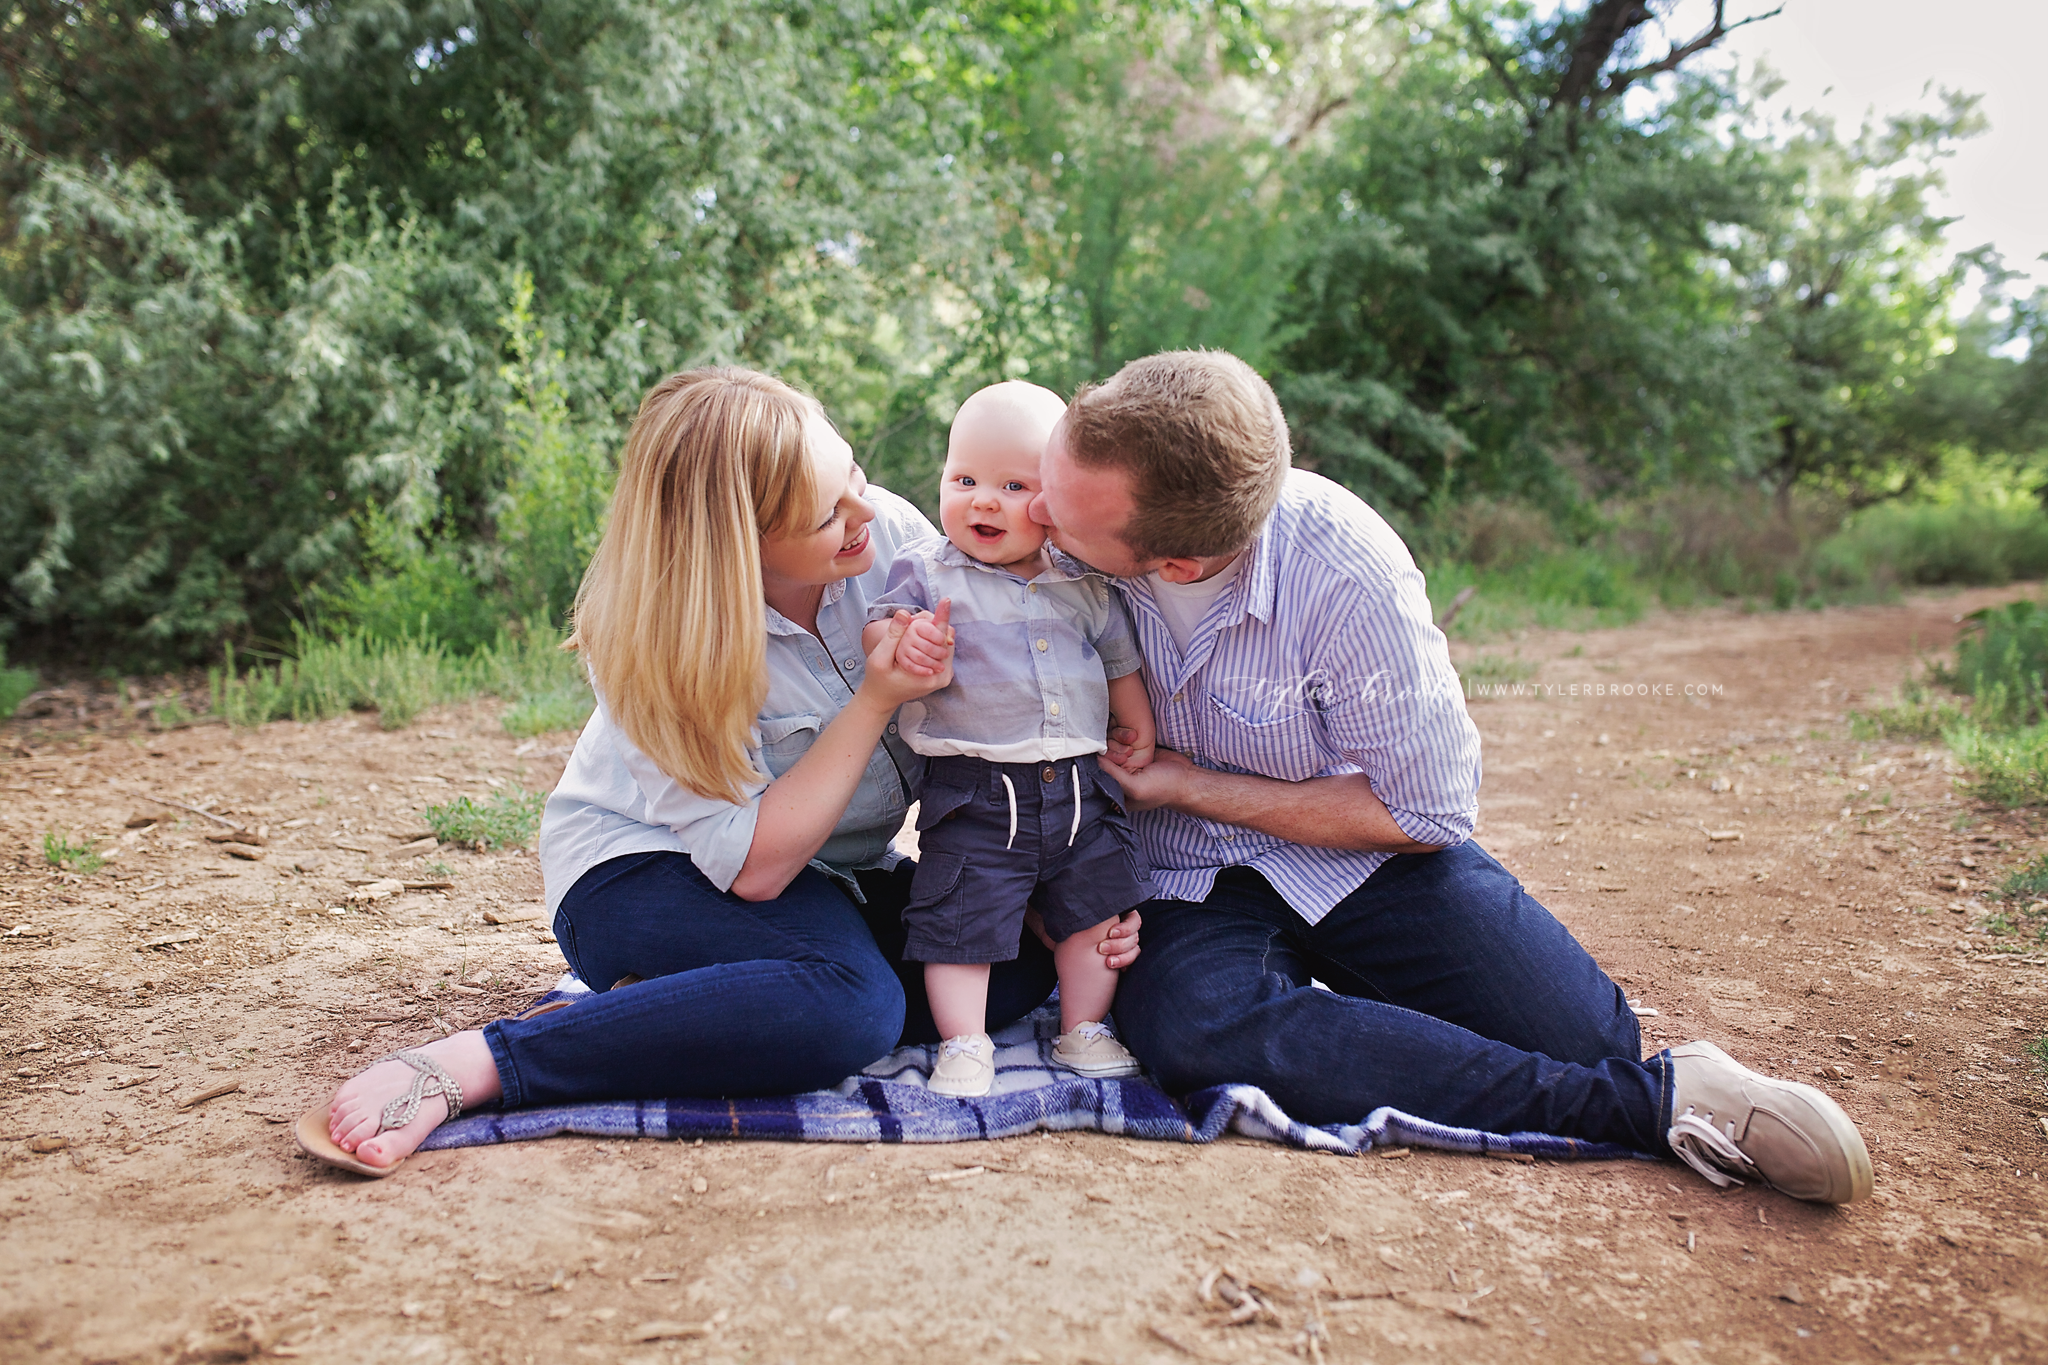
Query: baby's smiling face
point(985, 496)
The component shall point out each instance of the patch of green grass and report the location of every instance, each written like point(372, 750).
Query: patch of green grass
point(60, 852)
point(550, 712)
point(398, 679)
point(509, 819)
point(169, 713)
point(437, 868)
point(2029, 882)
point(1916, 714)
point(1491, 674)
point(15, 685)
point(2038, 1050)
point(2011, 768)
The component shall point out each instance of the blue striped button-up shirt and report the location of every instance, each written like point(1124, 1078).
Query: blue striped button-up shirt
point(1321, 658)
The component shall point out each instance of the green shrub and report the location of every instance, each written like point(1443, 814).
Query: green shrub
point(59, 851)
point(438, 590)
point(509, 819)
point(15, 685)
point(1927, 543)
point(2001, 663)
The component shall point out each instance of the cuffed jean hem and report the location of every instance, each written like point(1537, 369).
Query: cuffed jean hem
point(512, 1092)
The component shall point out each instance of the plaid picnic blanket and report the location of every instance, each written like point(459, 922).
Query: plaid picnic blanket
point(889, 1102)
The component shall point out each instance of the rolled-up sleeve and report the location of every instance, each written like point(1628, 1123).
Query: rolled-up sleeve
point(1117, 641)
point(907, 589)
point(1391, 703)
point(717, 833)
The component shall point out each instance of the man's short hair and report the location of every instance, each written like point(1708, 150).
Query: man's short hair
point(1202, 438)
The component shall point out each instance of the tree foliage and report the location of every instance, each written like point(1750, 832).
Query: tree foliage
point(337, 312)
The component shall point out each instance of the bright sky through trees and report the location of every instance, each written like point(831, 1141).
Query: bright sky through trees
point(1850, 58)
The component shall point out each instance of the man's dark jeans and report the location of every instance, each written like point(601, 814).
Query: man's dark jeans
point(1453, 996)
point(740, 997)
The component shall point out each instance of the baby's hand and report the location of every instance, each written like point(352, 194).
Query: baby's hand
point(1126, 752)
point(927, 644)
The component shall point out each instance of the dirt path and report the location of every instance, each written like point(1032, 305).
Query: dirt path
point(155, 1232)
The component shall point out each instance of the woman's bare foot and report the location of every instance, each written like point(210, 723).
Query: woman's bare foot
point(358, 1107)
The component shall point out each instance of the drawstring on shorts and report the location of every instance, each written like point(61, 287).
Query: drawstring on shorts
point(1010, 790)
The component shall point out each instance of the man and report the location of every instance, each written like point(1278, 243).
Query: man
point(1309, 812)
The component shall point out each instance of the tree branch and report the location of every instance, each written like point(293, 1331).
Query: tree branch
point(1714, 33)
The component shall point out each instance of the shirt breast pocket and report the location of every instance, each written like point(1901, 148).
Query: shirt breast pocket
point(1287, 746)
point(785, 739)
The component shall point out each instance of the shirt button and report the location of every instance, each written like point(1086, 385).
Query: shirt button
point(892, 729)
point(1034, 587)
point(1228, 837)
point(1054, 708)
point(1041, 646)
point(1176, 696)
point(853, 663)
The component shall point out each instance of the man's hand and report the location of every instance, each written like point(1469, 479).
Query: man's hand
point(1162, 782)
point(927, 644)
point(1119, 949)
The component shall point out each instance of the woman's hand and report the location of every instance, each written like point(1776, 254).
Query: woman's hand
point(1119, 949)
point(889, 682)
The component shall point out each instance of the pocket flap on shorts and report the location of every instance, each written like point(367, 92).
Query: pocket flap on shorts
point(936, 803)
point(936, 876)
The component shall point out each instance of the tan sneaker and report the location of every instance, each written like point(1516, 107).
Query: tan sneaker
point(1093, 1050)
point(1728, 1121)
point(966, 1066)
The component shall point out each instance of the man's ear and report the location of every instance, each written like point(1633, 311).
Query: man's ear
point(1180, 570)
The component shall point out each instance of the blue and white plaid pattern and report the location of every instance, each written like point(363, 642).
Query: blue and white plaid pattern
point(1321, 658)
point(889, 1102)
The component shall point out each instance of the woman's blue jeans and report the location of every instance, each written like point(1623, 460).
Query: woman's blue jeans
point(738, 997)
point(1454, 996)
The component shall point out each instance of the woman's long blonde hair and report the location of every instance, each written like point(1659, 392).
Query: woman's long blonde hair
point(669, 616)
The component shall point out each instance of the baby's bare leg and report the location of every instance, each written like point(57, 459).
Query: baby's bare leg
point(1087, 984)
point(958, 992)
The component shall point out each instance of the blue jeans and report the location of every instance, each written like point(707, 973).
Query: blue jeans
point(738, 997)
point(1454, 997)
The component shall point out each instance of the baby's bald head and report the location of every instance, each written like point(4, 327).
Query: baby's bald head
point(991, 475)
point(1011, 418)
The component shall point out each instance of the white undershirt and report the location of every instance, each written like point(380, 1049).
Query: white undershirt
point(1185, 604)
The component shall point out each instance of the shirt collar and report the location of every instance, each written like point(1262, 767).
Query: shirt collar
point(778, 624)
point(1064, 566)
point(1261, 574)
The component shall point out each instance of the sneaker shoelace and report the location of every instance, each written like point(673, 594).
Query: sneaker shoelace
point(956, 1046)
point(1708, 1150)
point(1089, 1032)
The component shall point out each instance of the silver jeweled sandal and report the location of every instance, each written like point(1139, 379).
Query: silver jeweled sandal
point(431, 1079)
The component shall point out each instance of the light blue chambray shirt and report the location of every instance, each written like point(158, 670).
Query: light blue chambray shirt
point(1031, 656)
point(612, 799)
point(1321, 658)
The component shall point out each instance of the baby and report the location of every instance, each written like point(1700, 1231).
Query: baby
point(1015, 808)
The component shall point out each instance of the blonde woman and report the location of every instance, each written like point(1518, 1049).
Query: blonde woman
point(723, 831)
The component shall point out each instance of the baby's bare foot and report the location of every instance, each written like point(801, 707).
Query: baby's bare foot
point(357, 1109)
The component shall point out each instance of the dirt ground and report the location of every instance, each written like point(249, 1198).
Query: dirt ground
point(1822, 943)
